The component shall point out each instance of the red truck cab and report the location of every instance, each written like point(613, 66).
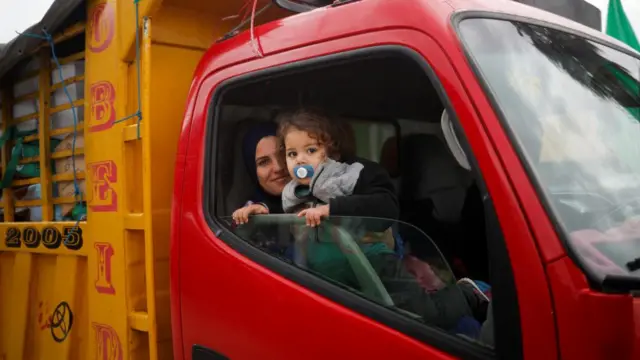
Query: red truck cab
point(511, 136)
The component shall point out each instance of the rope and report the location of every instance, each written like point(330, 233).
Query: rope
point(246, 9)
point(244, 22)
point(138, 113)
point(255, 42)
point(47, 37)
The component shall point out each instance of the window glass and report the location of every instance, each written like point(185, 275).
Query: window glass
point(417, 264)
point(390, 262)
point(573, 107)
point(371, 138)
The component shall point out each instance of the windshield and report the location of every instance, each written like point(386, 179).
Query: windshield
point(573, 108)
point(386, 261)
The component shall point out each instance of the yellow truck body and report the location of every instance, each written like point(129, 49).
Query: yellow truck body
point(98, 287)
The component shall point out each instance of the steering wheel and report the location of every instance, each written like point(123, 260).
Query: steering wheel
point(616, 209)
point(367, 277)
point(583, 193)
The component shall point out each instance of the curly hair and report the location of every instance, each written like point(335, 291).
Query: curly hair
point(319, 127)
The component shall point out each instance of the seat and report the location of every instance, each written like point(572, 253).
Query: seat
point(473, 247)
point(390, 161)
point(433, 193)
point(430, 172)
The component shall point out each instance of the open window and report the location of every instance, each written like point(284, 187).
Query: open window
point(431, 264)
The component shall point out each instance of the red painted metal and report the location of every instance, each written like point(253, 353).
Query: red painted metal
point(590, 325)
point(222, 300)
point(247, 304)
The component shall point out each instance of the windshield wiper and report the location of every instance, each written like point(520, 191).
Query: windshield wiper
point(634, 265)
point(621, 284)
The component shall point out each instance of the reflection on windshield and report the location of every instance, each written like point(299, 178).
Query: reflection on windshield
point(584, 62)
point(573, 107)
point(390, 262)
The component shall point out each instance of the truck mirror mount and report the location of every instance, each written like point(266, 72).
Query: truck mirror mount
point(295, 6)
point(299, 6)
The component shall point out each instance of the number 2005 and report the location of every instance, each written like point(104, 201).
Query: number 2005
point(50, 237)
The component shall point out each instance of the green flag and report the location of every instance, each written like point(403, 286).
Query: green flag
point(619, 27)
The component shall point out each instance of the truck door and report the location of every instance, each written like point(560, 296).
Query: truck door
point(239, 293)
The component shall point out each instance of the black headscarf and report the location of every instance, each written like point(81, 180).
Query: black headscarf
point(249, 146)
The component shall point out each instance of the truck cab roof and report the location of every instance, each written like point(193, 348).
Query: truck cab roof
point(337, 21)
point(513, 8)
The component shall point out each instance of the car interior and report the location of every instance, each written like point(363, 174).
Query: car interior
point(396, 118)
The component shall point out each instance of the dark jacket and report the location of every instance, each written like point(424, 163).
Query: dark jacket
point(373, 196)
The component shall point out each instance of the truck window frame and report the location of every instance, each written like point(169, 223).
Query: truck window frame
point(507, 325)
point(456, 19)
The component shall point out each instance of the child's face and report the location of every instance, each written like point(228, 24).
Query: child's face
point(302, 149)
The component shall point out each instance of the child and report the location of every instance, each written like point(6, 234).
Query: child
point(323, 182)
point(350, 190)
point(326, 184)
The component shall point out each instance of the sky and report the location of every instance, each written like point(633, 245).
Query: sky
point(17, 15)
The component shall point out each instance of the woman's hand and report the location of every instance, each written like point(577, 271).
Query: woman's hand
point(241, 216)
point(424, 273)
point(314, 215)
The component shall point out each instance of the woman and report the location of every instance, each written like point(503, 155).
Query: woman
point(259, 152)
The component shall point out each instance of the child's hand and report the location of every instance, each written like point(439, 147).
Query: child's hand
point(424, 274)
point(241, 216)
point(314, 215)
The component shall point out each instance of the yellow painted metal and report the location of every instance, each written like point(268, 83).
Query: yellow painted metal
point(23, 182)
point(60, 226)
point(25, 118)
point(31, 96)
point(117, 282)
point(34, 282)
point(43, 265)
point(44, 142)
point(16, 315)
point(148, 319)
point(80, 175)
point(28, 160)
point(28, 203)
point(105, 79)
point(69, 59)
point(64, 200)
point(67, 153)
point(67, 82)
point(63, 131)
point(63, 107)
point(66, 34)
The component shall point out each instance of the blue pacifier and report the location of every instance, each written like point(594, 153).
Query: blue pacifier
point(303, 171)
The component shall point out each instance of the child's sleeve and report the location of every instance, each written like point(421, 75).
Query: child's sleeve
point(373, 196)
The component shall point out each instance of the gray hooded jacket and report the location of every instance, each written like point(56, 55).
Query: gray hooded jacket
point(331, 179)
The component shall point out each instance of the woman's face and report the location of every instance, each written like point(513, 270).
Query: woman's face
point(271, 177)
